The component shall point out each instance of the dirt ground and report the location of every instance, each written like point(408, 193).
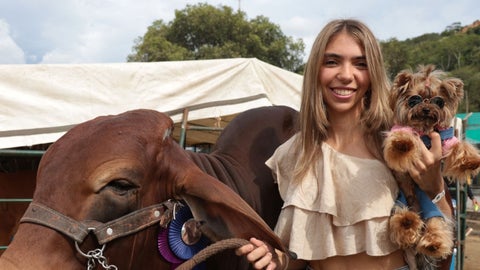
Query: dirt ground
point(472, 252)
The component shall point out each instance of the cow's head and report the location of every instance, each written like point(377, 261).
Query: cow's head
point(112, 166)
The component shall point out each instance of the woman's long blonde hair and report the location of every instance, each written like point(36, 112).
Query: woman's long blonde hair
point(376, 116)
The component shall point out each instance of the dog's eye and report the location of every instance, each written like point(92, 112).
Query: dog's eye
point(414, 100)
point(438, 101)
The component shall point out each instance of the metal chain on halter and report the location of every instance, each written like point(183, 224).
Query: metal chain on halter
point(96, 255)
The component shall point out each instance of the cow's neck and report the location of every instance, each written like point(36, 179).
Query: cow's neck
point(37, 247)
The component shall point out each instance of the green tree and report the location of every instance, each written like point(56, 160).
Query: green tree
point(154, 46)
point(454, 27)
point(471, 79)
point(396, 56)
point(203, 31)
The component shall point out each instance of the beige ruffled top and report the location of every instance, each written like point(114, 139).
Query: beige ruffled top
point(344, 211)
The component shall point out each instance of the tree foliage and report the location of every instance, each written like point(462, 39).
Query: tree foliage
point(203, 31)
point(456, 51)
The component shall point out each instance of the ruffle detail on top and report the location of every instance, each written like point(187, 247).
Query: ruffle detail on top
point(344, 211)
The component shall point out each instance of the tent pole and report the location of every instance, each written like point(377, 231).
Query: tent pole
point(183, 132)
point(21, 153)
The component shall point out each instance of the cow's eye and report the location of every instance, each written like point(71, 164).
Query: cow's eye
point(121, 186)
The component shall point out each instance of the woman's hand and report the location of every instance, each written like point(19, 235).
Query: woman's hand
point(427, 172)
point(259, 254)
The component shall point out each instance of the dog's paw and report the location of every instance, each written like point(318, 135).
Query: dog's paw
point(400, 150)
point(437, 239)
point(405, 227)
point(462, 161)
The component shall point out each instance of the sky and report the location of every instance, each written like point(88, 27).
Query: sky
point(104, 31)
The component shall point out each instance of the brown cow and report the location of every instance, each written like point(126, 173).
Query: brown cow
point(104, 183)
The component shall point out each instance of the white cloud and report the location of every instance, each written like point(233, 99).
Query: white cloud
point(80, 31)
point(10, 53)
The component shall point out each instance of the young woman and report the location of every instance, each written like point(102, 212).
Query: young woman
point(336, 188)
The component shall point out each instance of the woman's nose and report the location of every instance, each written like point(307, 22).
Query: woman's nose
point(345, 73)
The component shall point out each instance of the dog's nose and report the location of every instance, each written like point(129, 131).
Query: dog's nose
point(426, 110)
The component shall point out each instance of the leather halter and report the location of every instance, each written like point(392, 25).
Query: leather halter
point(131, 223)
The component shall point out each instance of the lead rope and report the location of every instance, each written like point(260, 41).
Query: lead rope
point(212, 250)
point(97, 254)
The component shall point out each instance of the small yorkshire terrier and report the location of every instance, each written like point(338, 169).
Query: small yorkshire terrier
point(423, 102)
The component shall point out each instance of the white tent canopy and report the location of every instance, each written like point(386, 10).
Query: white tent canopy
point(39, 103)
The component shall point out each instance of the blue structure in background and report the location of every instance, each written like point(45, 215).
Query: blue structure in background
point(472, 132)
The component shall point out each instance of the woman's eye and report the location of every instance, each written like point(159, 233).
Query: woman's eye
point(330, 62)
point(362, 65)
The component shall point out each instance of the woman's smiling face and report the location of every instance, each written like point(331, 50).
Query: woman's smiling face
point(344, 76)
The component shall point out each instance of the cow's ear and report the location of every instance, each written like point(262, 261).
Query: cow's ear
point(223, 212)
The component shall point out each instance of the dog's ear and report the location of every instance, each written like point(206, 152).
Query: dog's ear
point(403, 79)
point(400, 86)
point(452, 88)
